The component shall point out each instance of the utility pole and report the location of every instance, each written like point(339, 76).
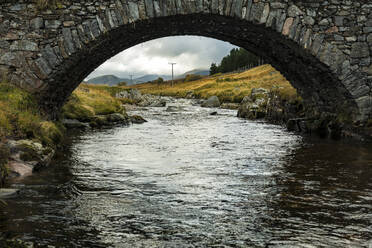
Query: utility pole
point(172, 72)
point(131, 79)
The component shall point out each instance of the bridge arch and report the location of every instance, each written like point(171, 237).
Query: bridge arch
point(49, 52)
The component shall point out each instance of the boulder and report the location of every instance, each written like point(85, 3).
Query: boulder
point(174, 109)
point(158, 103)
point(254, 106)
point(99, 121)
point(259, 92)
point(212, 102)
point(132, 94)
point(122, 94)
point(117, 118)
point(213, 113)
point(7, 193)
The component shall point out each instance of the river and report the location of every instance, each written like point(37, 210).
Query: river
point(190, 179)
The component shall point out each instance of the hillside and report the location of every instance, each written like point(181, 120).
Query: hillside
point(229, 87)
point(112, 80)
point(200, 72)
point(108, 80)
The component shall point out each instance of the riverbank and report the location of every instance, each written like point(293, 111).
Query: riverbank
point(262, 93)
point(228, 87)
point(28, 140)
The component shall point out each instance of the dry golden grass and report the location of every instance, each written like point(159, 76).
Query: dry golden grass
point(230, 87)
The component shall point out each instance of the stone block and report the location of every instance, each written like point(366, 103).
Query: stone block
point(24, 45)
point(287, 24)
point(294, 11)
point(359, 50)
point(37, 23)
point(52, 24)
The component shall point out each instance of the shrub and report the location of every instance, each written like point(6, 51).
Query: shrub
point(122, 84)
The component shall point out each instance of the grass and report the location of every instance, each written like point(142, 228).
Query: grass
point(90, 100)
point(20, 117)
point(230, 87)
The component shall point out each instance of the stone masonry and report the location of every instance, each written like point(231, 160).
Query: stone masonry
point(323, 47)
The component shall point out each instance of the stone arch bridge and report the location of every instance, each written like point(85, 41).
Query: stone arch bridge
point(323, 47)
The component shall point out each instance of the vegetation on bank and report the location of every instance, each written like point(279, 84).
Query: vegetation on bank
point(229, 87)
point(21, 118)
point(88, 101)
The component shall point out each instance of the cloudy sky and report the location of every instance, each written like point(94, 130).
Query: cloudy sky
point(152, 57)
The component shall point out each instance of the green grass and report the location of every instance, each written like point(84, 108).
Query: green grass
point(20, 117)
point(90, 100)
point(229, 87)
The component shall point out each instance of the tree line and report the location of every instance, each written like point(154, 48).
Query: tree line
point(237, 58)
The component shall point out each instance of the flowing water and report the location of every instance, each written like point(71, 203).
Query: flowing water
point(190, 179)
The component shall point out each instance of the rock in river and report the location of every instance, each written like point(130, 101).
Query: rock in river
point(7, 193)
point(212, 102)
point(137, 119)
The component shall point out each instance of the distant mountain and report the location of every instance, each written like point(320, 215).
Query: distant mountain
point(108, 79)
point(114, 80)
point(200, 72)
point(150, 77)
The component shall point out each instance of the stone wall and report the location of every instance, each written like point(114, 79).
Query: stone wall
point(322, 47)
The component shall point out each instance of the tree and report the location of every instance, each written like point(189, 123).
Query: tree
point(213, 69)
point(122, 84)
point(236, 59)
point(159, 81)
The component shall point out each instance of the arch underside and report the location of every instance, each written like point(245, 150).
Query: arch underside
point(313, 79)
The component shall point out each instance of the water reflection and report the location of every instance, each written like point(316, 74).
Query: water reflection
point(188, 179)
point(325, 201)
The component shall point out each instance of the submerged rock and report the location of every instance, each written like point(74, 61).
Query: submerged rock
point(137, 119)
point(213, 113)
point(174, 109)
point(72, 123)
point(211, 102)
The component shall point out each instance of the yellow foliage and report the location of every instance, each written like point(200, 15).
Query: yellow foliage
point(229, 87)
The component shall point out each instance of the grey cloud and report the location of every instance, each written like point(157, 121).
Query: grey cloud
point(189, 52)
